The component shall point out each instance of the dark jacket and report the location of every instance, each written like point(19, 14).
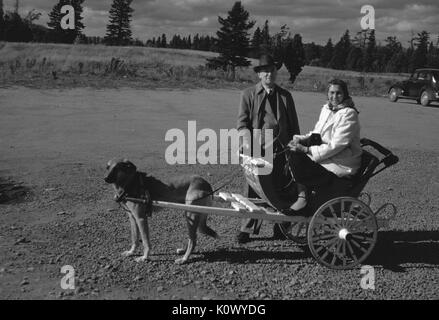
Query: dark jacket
point(250, 115)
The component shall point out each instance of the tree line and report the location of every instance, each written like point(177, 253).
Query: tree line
point(233, 41)
point(359, 53)
point(363, 53)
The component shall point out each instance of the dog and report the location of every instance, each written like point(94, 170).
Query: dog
point(128, 182)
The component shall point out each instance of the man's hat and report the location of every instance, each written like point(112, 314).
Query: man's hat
point(267, 61)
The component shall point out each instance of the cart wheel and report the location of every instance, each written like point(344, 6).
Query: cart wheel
point(342, 233)
point(296, 231)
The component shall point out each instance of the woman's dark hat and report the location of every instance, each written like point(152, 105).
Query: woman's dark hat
point(267, 61)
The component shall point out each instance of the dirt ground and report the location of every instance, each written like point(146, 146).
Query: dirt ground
point(56, 210)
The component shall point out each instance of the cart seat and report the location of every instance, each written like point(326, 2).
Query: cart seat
point(347, 186)
point(368, 164)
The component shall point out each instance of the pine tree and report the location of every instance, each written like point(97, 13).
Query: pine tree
point(189, 42)
point(196, 42)
point(163, 41)
point(433, 56)
point(58, 34)
point(398, 62)
point(341, 51)
point(312, 53)
point(354, 60)
point(392, 46)
point(2, 22)
point(360, 40)
point(278, 43)
point(265, 39)
point(15, 28)
point(256, 43)
point(233, 40)
point(419, 56)
point(174, 41)
point(294, 57)
point(369, 52)
point(118, 29)
point(256, 39)
point(327, 53)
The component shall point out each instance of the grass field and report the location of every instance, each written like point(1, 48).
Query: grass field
point(58, 65)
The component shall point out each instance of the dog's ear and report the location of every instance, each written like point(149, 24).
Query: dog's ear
point(111, 166)
point(129, 165)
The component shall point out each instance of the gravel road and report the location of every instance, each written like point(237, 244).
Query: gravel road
point(57, 210)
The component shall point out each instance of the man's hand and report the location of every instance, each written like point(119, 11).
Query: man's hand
point(245, 149)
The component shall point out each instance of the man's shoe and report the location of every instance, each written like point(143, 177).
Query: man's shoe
point(243, 237)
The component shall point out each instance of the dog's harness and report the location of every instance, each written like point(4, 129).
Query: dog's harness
point(142, 193)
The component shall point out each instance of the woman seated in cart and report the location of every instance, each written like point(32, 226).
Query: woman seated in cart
point(318, 164)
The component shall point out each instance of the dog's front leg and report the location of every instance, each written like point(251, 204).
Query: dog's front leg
point(134, 236)
point(142, 223)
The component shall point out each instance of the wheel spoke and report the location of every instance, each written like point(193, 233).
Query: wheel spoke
point(320, 248)
point(358, 246)
point(331, 209)
point(334, 258)
point(333, 245)
point(362, 222)
point(363, 238)
point(325, 254)
point(343, 250)
point(330, 242)
point(362, 215)
point(337, 250)
point(353, 216)
point(354, 256)
point(342, 215)
point(323, 237)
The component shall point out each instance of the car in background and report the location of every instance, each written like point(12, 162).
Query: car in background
point(422, 86)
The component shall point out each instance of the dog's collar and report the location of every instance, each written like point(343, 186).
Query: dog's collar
point(126, 190)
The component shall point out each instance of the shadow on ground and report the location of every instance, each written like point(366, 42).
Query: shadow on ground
point(398, 247)
point(242, 255)
point(12, 192)
point(393, 249)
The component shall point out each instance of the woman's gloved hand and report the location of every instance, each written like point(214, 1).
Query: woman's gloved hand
point(297, 147)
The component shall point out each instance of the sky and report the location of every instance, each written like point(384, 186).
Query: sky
point(315, 20)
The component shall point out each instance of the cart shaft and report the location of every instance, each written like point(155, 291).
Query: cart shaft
point(229, 212)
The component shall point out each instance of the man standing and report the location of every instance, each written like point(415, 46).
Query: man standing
point(266, 106)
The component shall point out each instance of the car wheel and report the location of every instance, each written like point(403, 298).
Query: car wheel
point(425, 101)
point(394, 94)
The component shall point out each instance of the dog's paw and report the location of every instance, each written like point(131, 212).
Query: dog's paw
point(127, 253)
point(180, 261)
point(141, 259)
point(181, 250)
